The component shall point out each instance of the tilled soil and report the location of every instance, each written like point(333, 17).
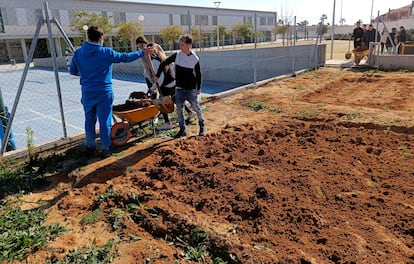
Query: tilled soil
point(313, 169)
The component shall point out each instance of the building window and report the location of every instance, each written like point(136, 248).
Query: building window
point(270, 21)
point(119, 17)
point(184, 20)
point(1, 21)
point(262, 21)
point(214, 20)
point(201, 20)
point(247, 20)
point(171, 20)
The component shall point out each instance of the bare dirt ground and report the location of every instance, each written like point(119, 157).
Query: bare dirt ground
point(323, 173)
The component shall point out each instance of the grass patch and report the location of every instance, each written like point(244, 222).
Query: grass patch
point(257, 105)
point(92, 217)
point(24, 232)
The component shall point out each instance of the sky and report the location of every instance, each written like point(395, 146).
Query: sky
point(310, 10)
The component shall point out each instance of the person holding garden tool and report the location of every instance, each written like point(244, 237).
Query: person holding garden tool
point(188, 82)
point(166, 83)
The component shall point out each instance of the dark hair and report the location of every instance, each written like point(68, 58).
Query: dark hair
point(141, 39)
point(186, 38)
point(95, 33)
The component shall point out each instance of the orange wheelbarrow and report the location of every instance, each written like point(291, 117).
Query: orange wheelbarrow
point(132, 121)
point(360, 53)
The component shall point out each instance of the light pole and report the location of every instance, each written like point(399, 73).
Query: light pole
point(217, 4)
point(85, 28)
point(333, 29)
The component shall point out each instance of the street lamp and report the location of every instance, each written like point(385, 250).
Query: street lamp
point(333, 28)
point(141, 18)
point(85, 28)
point(217, 4)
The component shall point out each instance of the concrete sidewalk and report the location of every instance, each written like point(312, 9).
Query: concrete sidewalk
point(340, 63)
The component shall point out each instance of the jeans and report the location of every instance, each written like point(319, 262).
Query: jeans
point(189, 95)
point(98, 106)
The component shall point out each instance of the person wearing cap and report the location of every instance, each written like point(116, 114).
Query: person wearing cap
point(358, 35)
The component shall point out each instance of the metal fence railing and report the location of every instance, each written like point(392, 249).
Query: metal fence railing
point(43, 99)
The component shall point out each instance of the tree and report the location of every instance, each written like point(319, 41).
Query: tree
point(303, 25)
point(243, 30)
point(170, 35)
point(222, 32)
point(129, 31)
point(342, 21)
point(285, 21)
point(281, 29)
point(83, 18)
point(196, 34)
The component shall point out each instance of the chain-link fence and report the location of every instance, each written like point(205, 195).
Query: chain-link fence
point(44, 99)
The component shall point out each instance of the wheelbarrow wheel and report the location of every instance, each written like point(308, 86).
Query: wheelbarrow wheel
point(120, 133)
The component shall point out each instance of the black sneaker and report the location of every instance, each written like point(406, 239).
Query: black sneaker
point(203, 131)
point(105, 153)
point(181, 133)
point(90, 152)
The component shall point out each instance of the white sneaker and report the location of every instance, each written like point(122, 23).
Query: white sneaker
point(165, 126)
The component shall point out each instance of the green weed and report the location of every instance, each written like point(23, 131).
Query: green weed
point(92, 217)
point(352, 116)
point(257, 105)
point(24, 232)
point(195, 249)
point(31, 149)
point(405, 154)
point(89, 255)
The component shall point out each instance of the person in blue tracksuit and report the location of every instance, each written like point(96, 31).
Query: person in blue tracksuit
point(93, 63)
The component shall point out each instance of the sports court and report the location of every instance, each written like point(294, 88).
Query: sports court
point(38, 107)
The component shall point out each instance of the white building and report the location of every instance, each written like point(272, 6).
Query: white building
point(18, 20)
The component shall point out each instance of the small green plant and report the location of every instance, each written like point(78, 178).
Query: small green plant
point(117, 217)
point(24, 232)
point(257, 105)
point(219, 261)
point(352, 116)
point(92, 217)
point(195, 249)
point(106, 196)
point(31, 149)
point(90, 255)
point(276, 110)
point(405, 154)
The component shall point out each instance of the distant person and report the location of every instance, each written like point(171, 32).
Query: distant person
point(402, 39)
point(371, 35)
point(93, 63)
point(188, 82)
point(383, 41)
point(357, 35)
point(392, 42)
point(364, 29)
